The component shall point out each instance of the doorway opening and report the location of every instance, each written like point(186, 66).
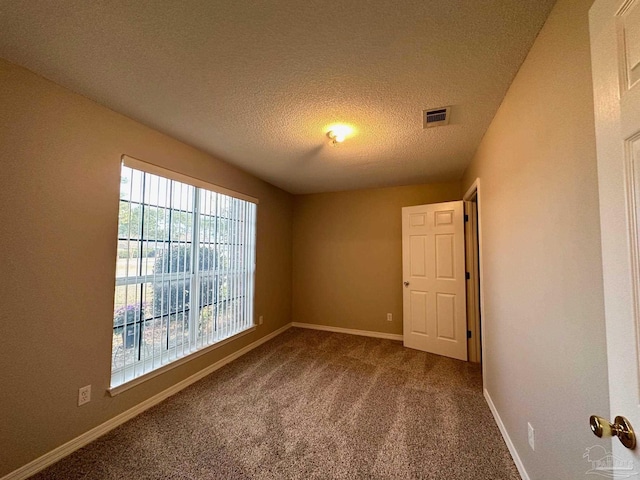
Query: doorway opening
point(472, 260)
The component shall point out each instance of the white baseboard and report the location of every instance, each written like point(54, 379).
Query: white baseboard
point(505, 436)
point(71, 446)
point(350, 331)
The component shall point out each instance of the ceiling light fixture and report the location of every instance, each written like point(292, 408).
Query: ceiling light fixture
point(338, 133)
point(335, 137)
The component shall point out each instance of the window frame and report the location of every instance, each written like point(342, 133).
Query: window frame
point(142, 369)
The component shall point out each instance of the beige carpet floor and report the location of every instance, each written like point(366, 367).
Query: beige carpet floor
point(311, 405)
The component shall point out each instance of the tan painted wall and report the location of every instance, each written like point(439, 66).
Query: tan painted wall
point(347, 255)
point(59, 189)
point(544, 317)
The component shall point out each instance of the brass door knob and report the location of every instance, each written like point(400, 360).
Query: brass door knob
point(406, 284)
point(621, 428)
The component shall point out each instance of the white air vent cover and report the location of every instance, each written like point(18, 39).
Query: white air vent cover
point(435, 117)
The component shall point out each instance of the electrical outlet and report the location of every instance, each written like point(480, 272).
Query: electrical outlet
point(531, 435)
point(389, 317)
point(84, 395)
point(260, 320)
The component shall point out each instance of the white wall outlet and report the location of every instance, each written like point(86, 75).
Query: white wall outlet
point(84, 395)
point(260, 320)
point(531, 435)
point(389, 317)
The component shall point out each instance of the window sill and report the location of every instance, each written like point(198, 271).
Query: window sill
point(181, 361)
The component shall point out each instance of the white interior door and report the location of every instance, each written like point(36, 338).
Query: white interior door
point(615, 50)
point(434, 303)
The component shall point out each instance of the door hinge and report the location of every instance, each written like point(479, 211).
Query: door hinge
point(467, 275)
point(468, 333)
point(466, 217)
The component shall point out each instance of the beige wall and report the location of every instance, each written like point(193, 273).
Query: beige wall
point(347, 255)
point(59, 189)
point(544, 317)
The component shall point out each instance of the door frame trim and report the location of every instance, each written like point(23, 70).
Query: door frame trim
point(474, 191)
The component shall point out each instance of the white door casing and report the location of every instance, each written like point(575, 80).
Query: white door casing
point(433, 266)
point(615, 52)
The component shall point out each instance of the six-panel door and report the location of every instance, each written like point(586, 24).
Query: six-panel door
point(434, 300)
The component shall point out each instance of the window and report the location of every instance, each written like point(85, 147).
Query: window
point(185, 268)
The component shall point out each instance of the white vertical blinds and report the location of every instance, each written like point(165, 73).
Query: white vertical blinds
point(185, 268)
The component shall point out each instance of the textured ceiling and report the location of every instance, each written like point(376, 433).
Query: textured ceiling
point(256, 83)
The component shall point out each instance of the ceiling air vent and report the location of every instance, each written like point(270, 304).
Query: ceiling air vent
point(435, 117)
